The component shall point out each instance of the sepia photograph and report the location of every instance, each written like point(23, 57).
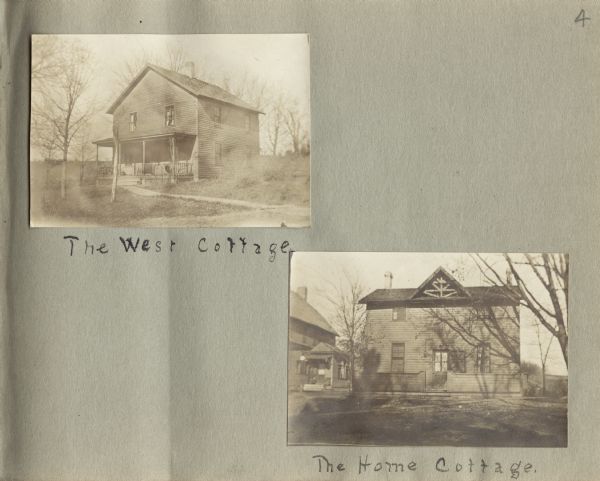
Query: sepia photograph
point(170, 130)
point(428, 349)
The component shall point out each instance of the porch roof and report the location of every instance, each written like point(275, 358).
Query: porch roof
point(325, 349)
point(109, 141)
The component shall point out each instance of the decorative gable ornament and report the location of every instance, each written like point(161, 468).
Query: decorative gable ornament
point(440, 288)
point(440, 285)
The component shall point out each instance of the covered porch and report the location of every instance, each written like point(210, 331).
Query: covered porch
point(325, 367)
point(161, 157)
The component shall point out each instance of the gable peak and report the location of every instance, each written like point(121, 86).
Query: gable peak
point(440, 285)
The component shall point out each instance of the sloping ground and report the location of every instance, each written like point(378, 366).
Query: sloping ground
point(90, 206)
point(264, 180)
point(397, 421)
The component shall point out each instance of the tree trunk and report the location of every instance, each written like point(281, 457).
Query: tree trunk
point(65, 149)
point(113, 195)
point(275, 140)
point(563, 340)
point(63, 180)
point(351, 366)
point(543, 379)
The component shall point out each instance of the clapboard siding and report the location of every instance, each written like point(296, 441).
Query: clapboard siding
point(238, 142)
point(383, 331)
point(237, 132)
point(419, 330)
point(484, 383)
point(149, 98)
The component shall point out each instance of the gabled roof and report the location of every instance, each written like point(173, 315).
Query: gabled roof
point(325, 348)
point(441, 284)
point(419, 297)
point(300, 309)
point(193, 86)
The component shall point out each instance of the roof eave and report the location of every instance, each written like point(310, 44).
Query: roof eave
point(143, 72)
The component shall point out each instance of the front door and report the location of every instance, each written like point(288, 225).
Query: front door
point(440, 369)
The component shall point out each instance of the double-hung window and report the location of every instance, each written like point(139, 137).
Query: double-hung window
point(132, 121)
point(397, 357)
point(170, 115)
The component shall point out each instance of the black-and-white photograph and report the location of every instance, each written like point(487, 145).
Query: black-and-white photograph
point(431, 349)
point(170, 130)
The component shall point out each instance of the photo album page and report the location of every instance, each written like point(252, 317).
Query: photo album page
point(299, 241)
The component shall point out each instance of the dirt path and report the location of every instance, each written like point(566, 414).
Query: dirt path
point(218, 200)
point(255, 215)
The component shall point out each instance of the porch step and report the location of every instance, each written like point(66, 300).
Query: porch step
point(313, 387)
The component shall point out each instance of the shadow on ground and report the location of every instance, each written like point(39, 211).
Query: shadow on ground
point(401, 421)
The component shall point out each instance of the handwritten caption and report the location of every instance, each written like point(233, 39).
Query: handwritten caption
point(76, 246)
point(510, 470)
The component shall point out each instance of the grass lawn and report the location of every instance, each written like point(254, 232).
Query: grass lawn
point(315, 418)
point(91, 205)
point(281, 183)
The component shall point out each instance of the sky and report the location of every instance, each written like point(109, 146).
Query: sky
point(317, 270)
point(279, 60)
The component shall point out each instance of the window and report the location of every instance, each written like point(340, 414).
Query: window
point(398, 357)
point(398, 314)
point(218, 153)
point(440, 361)
point(483, 360)
point(301, 367)
point(457, 361)
point(216, 114)
point(247, 121)
point(132, 121)
point(170, 115)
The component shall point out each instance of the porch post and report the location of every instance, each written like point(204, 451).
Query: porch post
point(143, 157)
point(97, 163)
point(172, 152)
point(331, 367)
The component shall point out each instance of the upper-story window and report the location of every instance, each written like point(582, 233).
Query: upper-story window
point(170, 115)
point(398, 314)
point(132, 121)
point(217, 114)
point(247, 121)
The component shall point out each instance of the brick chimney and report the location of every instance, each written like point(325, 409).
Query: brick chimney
point(191, 69)
point(388, 280)
point(303, 292)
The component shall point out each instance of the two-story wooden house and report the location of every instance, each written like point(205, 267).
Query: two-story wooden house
point(167, 123)
point(442, 337)
point(314, 363)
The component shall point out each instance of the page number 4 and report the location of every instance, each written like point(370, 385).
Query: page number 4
point(582, 18)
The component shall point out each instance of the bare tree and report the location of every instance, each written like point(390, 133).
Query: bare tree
point(249, 88)
point(474, 326)
point(543, 282)
point(349, 318)
point(543, 354)
point(59, 103)
point(84, 152)
point(43, 136)
point(275, 127)
point(172, 57)
point(46, 64)
point(294, 122)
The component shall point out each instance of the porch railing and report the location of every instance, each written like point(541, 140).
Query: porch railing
point(182, 168)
